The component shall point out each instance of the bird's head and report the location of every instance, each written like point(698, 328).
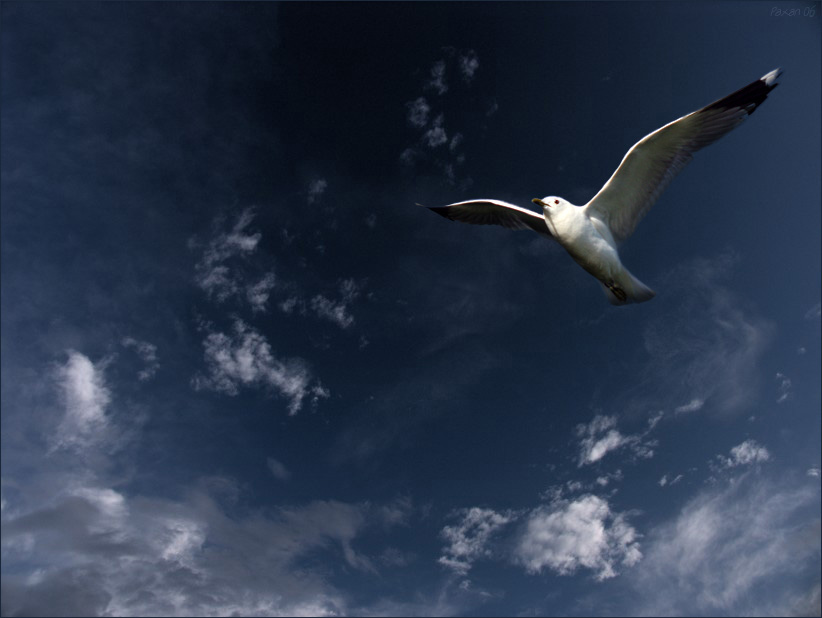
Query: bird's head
point(551, 205)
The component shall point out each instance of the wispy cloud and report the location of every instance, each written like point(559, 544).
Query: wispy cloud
point(814, 312)
point(428, 119)
point(468, 63)
point(278, 469)
point(96, 551)
point(258, 293)
point(749, 452)
point(737, 549)
point(316, 188)
point(337, 311)
point(665, 481)
point(468, 540)
point(435, 136)
point(707, 347)
point(600, 437)
point(147, 353)
point(566, 536)
point(86, 396)
point(692, 406)
point(784, 385)
point(418, 111)
point(437, 81)
point(213, 274)
point(244, 358)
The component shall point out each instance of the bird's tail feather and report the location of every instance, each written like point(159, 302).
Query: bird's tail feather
point(635, 292)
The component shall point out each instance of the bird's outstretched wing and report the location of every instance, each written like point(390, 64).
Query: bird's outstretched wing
point(655, 160)
point(494, 212)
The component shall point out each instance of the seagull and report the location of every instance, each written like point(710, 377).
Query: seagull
point(593, 233)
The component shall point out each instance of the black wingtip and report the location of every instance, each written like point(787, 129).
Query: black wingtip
point(751, 96)
point(441, 210)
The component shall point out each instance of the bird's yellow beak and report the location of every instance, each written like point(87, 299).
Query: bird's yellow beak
point(539, 202)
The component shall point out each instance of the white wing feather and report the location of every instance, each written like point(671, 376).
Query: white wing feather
point(655, 160)
point(494, 212)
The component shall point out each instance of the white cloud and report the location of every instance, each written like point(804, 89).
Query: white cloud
point(338, 311)
point(692, 406)
point(147, 353)
point(600, 437)
point(418, 111)
point(469, 63)
point(584, 533)
point(814, 472)
point(666, 481)
point(605, 479)
point(455, 142)
point(316, 188)
point(278, 469)
point(749, 452)
point(748, 547)
point(86, 397)
point(469, 539)
point(784, 387)
point(244, 358)
point(259, 292)
point(437, 81)
point(814, 312)
point(94, 551)
point(436, 136)
point(212, 274)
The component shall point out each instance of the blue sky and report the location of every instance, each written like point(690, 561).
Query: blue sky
point(244, 373)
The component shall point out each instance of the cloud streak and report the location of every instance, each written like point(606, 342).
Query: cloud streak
point(738, 549)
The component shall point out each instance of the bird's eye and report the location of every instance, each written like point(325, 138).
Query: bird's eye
point(556, 201)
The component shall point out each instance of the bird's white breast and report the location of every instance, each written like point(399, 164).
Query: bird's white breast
point(589, 241)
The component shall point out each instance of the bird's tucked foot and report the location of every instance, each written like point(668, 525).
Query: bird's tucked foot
point(617, 291)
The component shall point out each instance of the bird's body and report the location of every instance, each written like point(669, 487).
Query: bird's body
point(592, 233)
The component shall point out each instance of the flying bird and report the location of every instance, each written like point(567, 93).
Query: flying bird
point(593, 233)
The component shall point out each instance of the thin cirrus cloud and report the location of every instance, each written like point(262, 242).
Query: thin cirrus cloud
point(713, 557)
point(101, 552)
point(707, 346)
point(278, 469)
point(243, 358)
point(692, 406)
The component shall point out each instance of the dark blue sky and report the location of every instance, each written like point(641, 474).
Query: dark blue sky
point(243, 372)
